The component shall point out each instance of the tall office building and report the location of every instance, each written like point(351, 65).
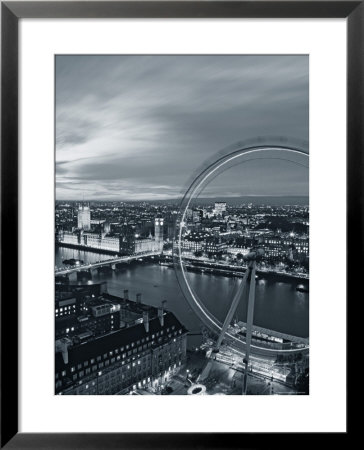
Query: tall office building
point(84, 217)
point(220, 208)
point(197, 215)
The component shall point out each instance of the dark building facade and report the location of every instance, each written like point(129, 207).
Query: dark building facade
point(138, 356)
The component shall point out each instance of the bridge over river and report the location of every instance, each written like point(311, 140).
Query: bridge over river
point(105, 263)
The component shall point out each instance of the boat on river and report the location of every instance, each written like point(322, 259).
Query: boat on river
point(72, 262)
point(302, 288)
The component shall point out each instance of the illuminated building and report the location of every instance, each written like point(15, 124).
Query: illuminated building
point(84, 217)
point(132, 243)
point(192, 246)
point(95, 240)
point(158, 229)
point(100, 226)
point(90, 240)
point(276, 246)
point(245, 242)
point(214, 245)
point(137, 245)
point(197, 215)
point(67, 237)
point(146, 245)
point(273, 248)
point(189, 214)
point(142, 355)
point(82, 308)
point(100, 319)
point(66, 305)
point(220, 208)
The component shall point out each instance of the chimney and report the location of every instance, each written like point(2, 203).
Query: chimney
point(161, 313)
point(65, 354)
point(126, 294)
point(146, 320)
point(62, 346)
point(139, 298)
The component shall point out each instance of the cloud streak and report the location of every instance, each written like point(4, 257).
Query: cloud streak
point(136, 127)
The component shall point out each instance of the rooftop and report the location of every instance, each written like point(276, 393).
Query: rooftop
point(109, 342)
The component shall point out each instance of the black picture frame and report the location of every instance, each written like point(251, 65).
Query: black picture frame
point(11, 12)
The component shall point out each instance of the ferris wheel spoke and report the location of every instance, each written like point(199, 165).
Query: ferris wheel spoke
point(232, 310)
point(249, 325)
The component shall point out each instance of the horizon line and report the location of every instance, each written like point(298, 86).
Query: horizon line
point(179, 198)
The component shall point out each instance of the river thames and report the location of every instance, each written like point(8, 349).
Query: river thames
point(278, 305)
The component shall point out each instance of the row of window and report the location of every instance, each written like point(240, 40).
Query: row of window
point(116, 381)
point(65, 310)
point(127, 374)
point(122, 349)
point(109, 387)
point(104, 364)
point(137, 364)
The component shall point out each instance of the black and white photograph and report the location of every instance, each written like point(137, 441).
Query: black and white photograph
point(181, 224)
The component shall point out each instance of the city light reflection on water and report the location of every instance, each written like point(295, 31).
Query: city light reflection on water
point(278, 306)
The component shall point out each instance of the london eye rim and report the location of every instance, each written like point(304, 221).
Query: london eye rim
point(207, 318)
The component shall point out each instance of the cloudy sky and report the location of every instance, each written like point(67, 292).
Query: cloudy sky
point(137, 127)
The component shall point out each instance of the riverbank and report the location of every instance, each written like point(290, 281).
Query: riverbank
point(202, 266)
point(278, 305)
point(87, 249)
point(237, 271)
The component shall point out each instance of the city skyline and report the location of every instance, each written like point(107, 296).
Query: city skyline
point(136, 127)
point(254, 199)
point(123, 326)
